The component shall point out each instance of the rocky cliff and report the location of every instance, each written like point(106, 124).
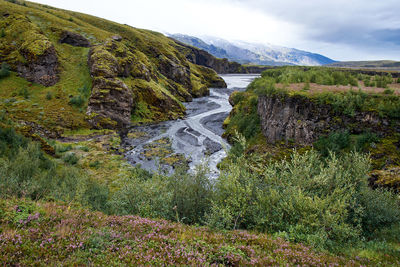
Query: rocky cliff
point(299, 119)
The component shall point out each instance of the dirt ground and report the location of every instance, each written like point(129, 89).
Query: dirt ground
point(317, 88)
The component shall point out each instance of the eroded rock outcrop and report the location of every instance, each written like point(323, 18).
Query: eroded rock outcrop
point(39, 66)
point(74, 39)
point(111, 100)
point(299, 119)
point(32, 54)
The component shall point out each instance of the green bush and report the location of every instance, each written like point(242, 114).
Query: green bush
point(25, 171)
point(77, 101)
point(245, 118)
point(388, 91)
point(334, 142)
point(2, 33)
point(71, 158)
point(4, 70)
point(319, 201)
point(191, 195)
point(342, 141)
point(61, 148)
point(49, 95)
point(11, 142)
point(24, 92)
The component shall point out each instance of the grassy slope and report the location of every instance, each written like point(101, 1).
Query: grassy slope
point(74, 73)
point(42, 232)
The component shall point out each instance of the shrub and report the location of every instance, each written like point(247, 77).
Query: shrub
point(4, 70)
point(26, 172)
point(2, 33)
point(318, 201)
point(84, 91)
point(388, 91)
point(77, 101)
point(306, 86)
point(245, 118)
point(61, 148)
point(24, 92)
point(334, 142)
point(71, 158)
point(191, 194)
point(49, 95)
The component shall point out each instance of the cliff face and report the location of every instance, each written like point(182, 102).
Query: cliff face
point(301, 120)
point(203, 58)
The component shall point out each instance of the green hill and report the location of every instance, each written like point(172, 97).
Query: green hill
point(72, 70)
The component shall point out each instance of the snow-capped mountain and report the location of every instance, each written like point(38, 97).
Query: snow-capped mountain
point(252, 53)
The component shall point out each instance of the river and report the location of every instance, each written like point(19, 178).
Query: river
point(191, 141)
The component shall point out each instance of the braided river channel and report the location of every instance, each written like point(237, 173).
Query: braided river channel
point(192, 141)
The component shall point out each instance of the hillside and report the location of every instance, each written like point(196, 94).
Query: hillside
point(256, 54)
point(82, 71)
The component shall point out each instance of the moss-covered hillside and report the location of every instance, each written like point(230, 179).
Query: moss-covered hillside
point(74, 71)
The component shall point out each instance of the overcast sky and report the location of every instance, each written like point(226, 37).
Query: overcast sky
point(339, 29)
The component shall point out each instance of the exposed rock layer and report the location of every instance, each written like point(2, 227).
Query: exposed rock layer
point(28, 50)
point(111, 101)
point(299, 119)
point(41, 68)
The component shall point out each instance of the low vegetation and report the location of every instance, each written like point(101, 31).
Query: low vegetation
point(322, 202)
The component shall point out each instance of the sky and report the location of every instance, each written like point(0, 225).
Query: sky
point(340, 29)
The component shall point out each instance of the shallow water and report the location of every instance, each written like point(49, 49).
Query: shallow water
point(197, 137)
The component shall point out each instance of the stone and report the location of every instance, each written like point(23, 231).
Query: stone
point(117, 38)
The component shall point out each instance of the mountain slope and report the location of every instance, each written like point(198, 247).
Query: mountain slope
point(77, 71)
point(259, 54)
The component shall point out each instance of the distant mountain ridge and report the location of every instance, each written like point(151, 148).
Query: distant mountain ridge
point(250, 53)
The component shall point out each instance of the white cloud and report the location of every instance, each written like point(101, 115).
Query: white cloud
point(341, 29)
